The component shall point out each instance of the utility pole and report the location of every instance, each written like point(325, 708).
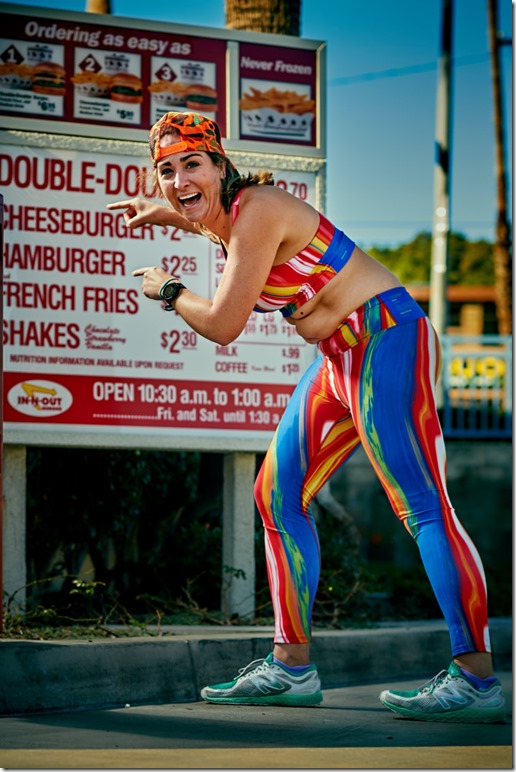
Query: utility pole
point(438, 309)
point(501, 252)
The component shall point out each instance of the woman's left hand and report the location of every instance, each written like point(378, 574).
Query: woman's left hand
point(153, 279)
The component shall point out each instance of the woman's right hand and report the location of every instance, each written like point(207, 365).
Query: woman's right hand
point(139, 211)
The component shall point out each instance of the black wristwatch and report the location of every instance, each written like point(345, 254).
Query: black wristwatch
point(170, 291)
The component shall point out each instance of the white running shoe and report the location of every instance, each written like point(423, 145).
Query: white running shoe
point(264, 682)
point(450, 696)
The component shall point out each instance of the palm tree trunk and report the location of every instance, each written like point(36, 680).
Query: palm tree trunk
point(98, 6)
point(281, 17)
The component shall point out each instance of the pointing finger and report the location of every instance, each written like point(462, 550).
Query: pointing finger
point(141, 271)
point(119, 205)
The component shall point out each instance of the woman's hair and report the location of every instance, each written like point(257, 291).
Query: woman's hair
point(233, 181)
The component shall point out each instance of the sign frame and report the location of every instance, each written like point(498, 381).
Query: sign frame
point(233, 38)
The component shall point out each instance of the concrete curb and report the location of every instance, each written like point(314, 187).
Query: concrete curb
point(78, 675)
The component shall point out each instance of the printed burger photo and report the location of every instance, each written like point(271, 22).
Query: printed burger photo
point(48, 78)
point(126, 88)
point(201, 98)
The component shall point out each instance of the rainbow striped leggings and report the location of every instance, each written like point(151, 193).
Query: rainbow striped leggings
point(373, 385)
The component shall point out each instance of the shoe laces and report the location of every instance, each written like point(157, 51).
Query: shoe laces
point(434, 682)
point(254, 665)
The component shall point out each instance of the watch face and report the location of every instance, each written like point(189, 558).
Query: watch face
point(170, 291)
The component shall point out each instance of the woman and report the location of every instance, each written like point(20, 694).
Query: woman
point(372, 385)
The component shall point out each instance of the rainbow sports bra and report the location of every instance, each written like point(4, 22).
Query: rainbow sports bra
point(293, 283)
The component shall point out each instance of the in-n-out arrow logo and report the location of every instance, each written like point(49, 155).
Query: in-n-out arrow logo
point(39, 399)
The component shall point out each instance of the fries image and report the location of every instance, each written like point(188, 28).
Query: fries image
point(166, 85)
point(92, 84)
point(169, 93)
point(277, 113)
point(281, 101)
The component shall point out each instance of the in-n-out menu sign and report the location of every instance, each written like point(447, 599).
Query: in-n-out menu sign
point(84, 348)
point(84, 73)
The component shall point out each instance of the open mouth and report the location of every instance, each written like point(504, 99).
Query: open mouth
point(190, 200)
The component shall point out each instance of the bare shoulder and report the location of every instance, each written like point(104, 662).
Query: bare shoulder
point(276, 220)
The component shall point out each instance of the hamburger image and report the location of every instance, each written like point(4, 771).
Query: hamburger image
point(201, 98)
point(92, 84)
point(126, 88)
point(16, 76)
point(167, 93)
point(48, 78)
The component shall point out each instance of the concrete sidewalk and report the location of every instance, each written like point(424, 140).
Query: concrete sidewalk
point(172, 667)
point(350, 729)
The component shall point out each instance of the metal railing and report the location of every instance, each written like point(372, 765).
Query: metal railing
point(477, 386)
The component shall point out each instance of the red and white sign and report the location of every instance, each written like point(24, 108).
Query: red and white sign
point(83, 72)
point(75, 74)
point(82, 345)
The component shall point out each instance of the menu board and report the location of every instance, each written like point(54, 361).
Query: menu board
point(107, 76)
point(90, 74)
point(83, 347)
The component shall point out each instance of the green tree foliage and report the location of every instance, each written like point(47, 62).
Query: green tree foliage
point(470, 262)
point(475, 263)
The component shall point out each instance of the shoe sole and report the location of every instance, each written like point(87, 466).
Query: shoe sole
point(462, 716)
point(286, 700)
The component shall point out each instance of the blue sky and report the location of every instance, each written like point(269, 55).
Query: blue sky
point(382, 88)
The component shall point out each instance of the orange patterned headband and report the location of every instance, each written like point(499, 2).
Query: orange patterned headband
point(196, 133)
